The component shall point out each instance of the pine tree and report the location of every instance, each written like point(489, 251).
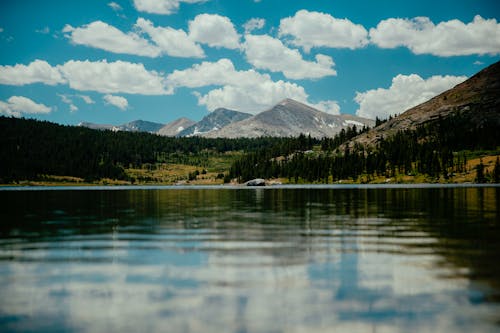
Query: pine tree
point(480, 178)
point(496, 172)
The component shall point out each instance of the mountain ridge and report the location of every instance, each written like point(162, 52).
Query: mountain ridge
point(477, 99)
point(290, 118)
point(173, 128)
point(214, 121)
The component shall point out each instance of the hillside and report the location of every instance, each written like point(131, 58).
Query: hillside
point(476, 100)
point(290, 118)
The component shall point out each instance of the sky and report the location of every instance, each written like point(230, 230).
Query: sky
point(111, 62)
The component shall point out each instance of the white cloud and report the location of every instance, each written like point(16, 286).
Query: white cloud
point(16, 106)
point(118, 101)
point(266, 52)
point(113, 77)
point(450, 38)
point(116, 7)
point(86, 99)
point(44, 30)
point(106, 37)
point(315, 29)
point(214, 30)
point(1, 30)
point(165, 7)
point(38, 71)
point(331, 107)
point(254, 24)
point(173, 42)
point(67, 100)
point(246, 91)
point(405, 92)
point(100, 76)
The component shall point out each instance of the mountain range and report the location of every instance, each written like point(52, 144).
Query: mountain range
point(133, 126)
point(285, 119)
point(290, 118)
point(477, 99)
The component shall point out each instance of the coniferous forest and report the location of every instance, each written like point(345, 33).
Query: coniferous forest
point(31, 148)
point(433, 149)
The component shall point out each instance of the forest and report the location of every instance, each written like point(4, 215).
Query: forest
point(30, 149)
point(435, 149)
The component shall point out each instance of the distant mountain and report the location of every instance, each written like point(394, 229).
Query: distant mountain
point(477, 100)
point(214, 122)
point(175, 127)
point(133, 126)
point(290, 118)
point(141, 126)
point(99, 126)
point(287, 118)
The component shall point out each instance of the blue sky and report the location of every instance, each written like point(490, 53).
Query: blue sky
point(122, 60)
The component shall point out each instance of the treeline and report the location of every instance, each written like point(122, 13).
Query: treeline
point(31, 148)
point(427, 150)
point(292, 158)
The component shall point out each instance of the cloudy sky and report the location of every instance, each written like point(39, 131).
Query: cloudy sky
point(158, 60)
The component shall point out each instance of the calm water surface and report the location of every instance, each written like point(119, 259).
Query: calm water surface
point(251, 260)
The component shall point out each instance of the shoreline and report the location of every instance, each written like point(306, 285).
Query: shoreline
point(241, 186)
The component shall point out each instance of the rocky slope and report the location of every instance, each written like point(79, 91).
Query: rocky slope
point(290, 118)
point(175, 127)
point(214, 122)
point(477, 99)
point(141, 126)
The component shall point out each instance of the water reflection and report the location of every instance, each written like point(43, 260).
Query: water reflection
point(265, 260)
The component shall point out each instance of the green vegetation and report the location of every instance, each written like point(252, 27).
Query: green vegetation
point(435, 150)
point(443, 150)
point(37, 150)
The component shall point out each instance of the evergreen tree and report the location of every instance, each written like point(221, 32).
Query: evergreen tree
point(496, 172)
point(480, 178)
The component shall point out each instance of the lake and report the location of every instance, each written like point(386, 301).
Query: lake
point(277, 259)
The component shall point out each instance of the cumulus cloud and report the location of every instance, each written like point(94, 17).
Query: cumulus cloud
point(214, 30)
point(113, 77)
point(405, 92)
point(247, 91)
point(254, 24)
point(118, 101)
point(450, 38)
point(266, 52)
point(106, 37)
point(100, 76)
point(314, 29)
point(16, 106)
point(173, 42)
point(38, 71)
point(164, 7)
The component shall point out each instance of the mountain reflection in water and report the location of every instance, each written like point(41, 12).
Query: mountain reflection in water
point(251, 260)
